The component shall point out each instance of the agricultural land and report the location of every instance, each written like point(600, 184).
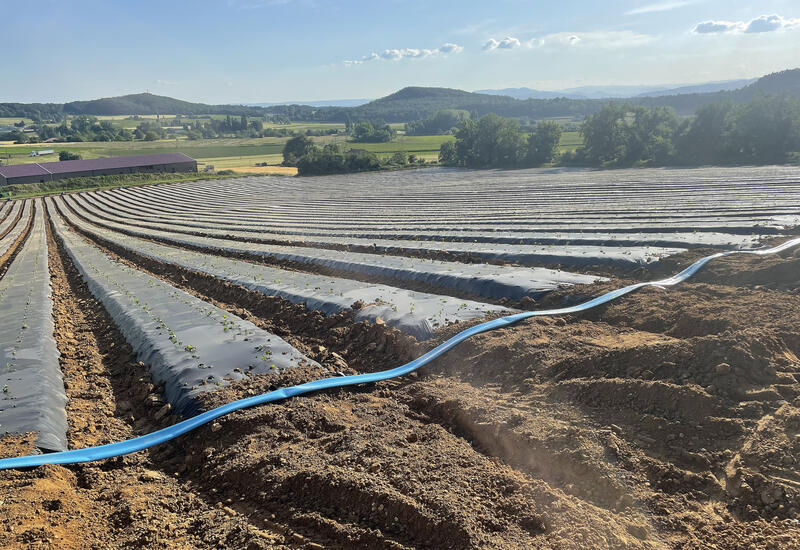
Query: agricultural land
point(665, 418)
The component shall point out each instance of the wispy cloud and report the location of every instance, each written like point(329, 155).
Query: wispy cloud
point(560, 40)
point(661, 6)
point(507, 43)
point(764, 23)
point(407, 53)
point(593, 39)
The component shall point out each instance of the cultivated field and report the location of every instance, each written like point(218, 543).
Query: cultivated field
point(666, 419)
point(240, 154)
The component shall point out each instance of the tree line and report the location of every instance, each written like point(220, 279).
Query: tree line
point(494, 141)
point(441, 122)
point(312, 160)
point(84, 128)
point(765, 130)
point(372, 132)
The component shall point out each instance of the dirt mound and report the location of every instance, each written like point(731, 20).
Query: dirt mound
point(397, 467)
point(775, 271)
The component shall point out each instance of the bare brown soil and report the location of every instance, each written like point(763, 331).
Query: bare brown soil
point(667, 419)
point(132, 502)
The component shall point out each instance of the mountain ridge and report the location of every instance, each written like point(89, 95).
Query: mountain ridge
point(406, 104)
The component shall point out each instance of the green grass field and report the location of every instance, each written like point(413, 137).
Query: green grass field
point(230, 152)
point(202, 148)
point(123, 121)
point(10, 121)
point(426, 147)
point(570, 141)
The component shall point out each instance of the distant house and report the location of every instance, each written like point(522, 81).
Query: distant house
point(40, 172)
point(41, 152)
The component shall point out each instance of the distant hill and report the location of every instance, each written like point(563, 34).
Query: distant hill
point(319, 103)
point(784, 82)
point(528, 93)
point(708, 87)
point(582, 92)
point(151, 104)
point(416, 102)
point(619, 92)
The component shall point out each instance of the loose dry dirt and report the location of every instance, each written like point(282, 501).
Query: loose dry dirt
point(667, 419)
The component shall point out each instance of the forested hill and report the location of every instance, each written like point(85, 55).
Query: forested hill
point(415, 103)
point(784, 82)
point(134, 104)
point(412, 103)
point(151, 104)
point(418, 103)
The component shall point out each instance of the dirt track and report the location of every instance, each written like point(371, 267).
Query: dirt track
point(668, 419)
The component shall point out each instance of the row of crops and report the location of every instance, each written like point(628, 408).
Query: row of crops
point(416, 250)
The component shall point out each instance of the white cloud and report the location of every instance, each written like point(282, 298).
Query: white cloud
point(507, 43)
point(396, 54)
point(767, 23)
point(449, 47)
point(653, 8)
point(711, 27)
point(764, 23)
point(595, 39)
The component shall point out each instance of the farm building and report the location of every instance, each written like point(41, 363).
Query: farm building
point(40, 172)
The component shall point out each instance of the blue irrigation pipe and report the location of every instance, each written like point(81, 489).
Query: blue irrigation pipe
point(161, 436)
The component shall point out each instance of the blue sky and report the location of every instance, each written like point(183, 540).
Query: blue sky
point(274, 50)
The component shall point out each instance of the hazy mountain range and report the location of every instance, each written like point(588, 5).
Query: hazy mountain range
point(581, 92)
point(418, 102)
point(609, 92)
point(317, 103)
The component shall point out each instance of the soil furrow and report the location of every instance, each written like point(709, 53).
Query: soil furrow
point(135, 501)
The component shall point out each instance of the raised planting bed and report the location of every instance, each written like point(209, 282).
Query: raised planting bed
point(488, 281)
point(740, 198)
point(418, 314)
point(552, 252)
point(32, 398)
point(141, 216)
point(189, 345)
point(16, 228)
